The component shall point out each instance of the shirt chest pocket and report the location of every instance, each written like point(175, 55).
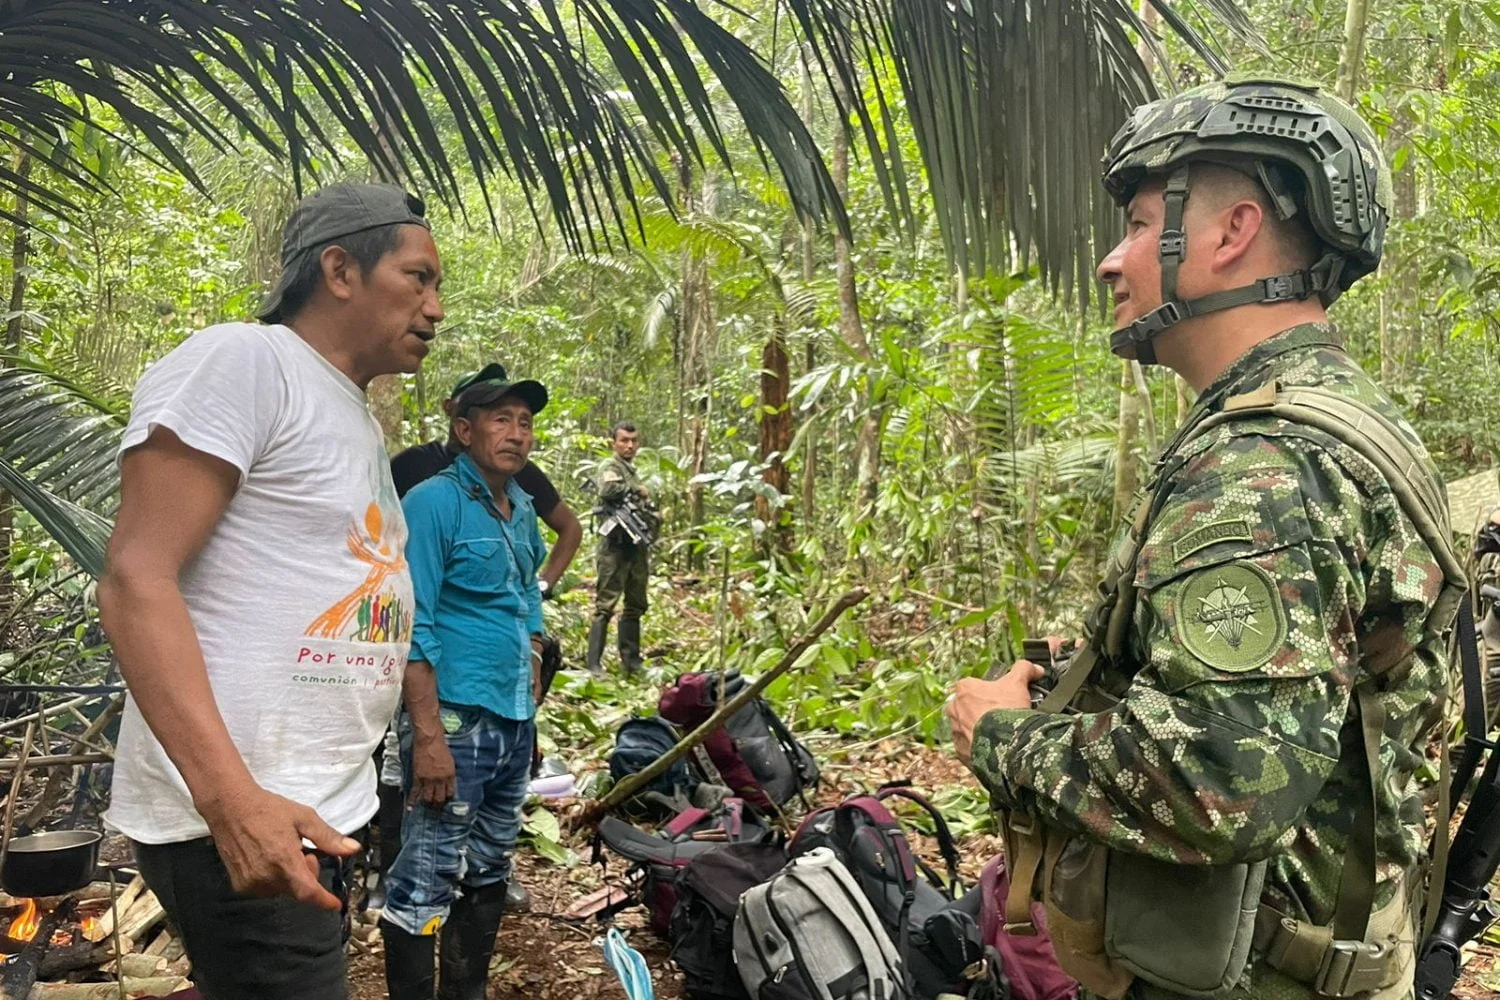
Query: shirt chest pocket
point(483, 566)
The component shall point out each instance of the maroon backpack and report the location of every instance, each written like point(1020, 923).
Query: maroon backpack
point(1029, 961)
point(753, 753)
point(662, 856)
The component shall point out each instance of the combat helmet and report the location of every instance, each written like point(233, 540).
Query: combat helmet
point(1310, 151)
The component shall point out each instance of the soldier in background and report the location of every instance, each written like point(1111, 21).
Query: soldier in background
point(623, 549)
point(1266, 664)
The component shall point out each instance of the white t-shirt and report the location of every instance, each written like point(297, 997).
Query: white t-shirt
point(301, 597)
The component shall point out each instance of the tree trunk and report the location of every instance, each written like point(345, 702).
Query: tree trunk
point(775, 431)
point(20, 251)
point(1127, 478)
point(699, 329)
point(1352, 54)
point(852, 329)
point(809, 268)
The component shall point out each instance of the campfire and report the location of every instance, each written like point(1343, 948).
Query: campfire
point(64, 947)
point(89, 926)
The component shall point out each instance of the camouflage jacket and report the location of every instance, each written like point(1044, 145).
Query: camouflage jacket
point(1278, 571)
point(615, 478)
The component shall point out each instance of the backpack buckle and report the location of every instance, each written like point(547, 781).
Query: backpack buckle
point(1353, 967)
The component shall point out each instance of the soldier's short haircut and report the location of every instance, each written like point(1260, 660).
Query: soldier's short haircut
point(1224, 185)
point(623, 425)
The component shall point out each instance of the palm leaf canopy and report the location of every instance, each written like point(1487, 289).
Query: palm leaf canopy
point(517, 85)
point(1012, 103)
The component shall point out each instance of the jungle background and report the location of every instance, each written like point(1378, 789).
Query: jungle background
point(921, 403)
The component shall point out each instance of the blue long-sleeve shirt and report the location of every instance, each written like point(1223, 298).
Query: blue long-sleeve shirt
point(474, 576)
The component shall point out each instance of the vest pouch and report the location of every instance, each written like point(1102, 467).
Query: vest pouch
point(1075, 875)
point(1184, 928)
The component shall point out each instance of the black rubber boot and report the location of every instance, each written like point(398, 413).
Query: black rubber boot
point(409, 973)
point(630, 645)
point(469, 941)
point(598, 632)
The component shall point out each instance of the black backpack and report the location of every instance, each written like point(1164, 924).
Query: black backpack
point(702, 927)
point(937, 934)
point(638, 744)
point(662, 856)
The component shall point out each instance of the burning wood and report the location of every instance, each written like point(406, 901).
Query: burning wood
point(74, 937)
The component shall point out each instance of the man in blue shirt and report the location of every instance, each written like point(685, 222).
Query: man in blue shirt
point(470, 695)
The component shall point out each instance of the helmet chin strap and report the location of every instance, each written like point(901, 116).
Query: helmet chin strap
point(1134, 342)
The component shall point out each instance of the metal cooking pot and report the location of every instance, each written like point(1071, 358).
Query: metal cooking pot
point(50, 864)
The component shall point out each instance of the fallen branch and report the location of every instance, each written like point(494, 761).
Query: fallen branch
point(633, 783)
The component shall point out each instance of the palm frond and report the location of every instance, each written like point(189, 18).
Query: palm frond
point(522, 94)
point(82, 533)
point(59, 436)
point(1012, 103)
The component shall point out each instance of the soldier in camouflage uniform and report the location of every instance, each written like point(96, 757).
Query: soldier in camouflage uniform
point(1272, 600)
point(622, 564)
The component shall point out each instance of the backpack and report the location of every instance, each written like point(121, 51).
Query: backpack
point(701, 932)
point(662, 856)
point(1028, 959)
point(638, 744)
point(938, 937)
point(810, 934)
point(754, 752)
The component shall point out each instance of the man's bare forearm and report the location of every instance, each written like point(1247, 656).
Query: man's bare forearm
point(562, 520)
point(162, 662)
point(419, 690)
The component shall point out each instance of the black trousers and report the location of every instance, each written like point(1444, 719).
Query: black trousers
point(246, 947)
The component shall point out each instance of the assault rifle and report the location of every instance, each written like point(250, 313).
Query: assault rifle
point(632, 516)
point(1466, 910)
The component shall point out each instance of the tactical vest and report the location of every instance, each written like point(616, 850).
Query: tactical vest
point(1115, 916)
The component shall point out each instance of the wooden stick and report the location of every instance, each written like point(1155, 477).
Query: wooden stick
point(15, 789)
point(119, 906)
point(49, 711)
point(633, 783)
point(155, 986)
point(58, 760)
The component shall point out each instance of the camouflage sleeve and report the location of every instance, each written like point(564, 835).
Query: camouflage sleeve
point(1251, 584)
point(612, 484)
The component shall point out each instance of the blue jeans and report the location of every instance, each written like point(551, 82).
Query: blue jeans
point(469, 841)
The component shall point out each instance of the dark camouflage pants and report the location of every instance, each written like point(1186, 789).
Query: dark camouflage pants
point(622, 571)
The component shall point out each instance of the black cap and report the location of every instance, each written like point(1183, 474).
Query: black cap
point(488, 391)
point(331, 213)
point(493, 370)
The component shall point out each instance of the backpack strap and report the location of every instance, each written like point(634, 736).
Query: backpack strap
point(788, 746)
point(947, 846)
point(852, 909)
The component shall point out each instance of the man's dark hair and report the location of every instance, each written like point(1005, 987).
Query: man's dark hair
point(623, 425)
point(366, 247)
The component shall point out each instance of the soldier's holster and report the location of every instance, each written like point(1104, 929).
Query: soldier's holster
point(1115, 916)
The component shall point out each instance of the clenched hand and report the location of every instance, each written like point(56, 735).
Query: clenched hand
point(973, 699)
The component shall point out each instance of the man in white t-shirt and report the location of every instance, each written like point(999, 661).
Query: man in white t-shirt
point(259, 601)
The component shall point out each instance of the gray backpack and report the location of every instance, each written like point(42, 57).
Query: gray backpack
point(810, 934)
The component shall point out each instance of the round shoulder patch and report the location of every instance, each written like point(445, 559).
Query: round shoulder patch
point(1231, 617)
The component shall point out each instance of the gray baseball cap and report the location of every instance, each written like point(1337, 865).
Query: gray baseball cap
point(331, 213)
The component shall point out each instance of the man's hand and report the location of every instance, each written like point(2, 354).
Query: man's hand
point(432, 773)
point(536, 671)
point(973, 699)
point(259, 837)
